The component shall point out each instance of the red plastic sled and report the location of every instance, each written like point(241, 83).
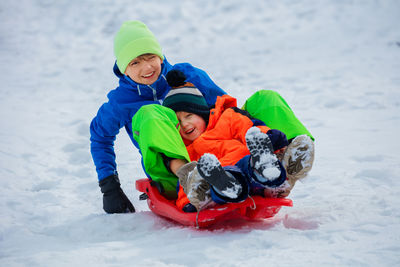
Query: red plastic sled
point(252, 208)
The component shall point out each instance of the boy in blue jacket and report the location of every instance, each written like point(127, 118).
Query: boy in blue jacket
point(141, 68)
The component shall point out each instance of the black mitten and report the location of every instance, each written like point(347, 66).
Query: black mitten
point(114, 199)
point(278, 139)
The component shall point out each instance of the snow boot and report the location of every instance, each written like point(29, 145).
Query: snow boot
point(195, 187)
point(222, 182)
point(263, 161)
point(298, 158)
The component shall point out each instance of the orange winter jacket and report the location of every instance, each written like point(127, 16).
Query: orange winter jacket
point(224, 137)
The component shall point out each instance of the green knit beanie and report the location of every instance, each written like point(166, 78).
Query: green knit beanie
point(132, 40)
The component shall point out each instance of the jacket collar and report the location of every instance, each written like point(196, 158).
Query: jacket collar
point(223, 102)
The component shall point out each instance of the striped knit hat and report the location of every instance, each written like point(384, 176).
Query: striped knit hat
point(184, 96)
point(132, 40)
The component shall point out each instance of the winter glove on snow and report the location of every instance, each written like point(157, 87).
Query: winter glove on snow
point(114, 199)
point(278, 139)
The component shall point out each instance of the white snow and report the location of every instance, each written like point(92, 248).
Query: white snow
point(271, 173)
point(337, 63)
point(232, 192)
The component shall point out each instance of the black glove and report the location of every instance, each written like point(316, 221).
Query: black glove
point(114, 199)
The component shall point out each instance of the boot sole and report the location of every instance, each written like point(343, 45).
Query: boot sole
point(211, 170)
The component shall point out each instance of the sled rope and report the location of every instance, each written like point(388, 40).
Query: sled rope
point(198, 212)
point(197, 216)
point(197, 219)
point(254, 204)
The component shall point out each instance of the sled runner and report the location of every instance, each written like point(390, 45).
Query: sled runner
point(253, 208)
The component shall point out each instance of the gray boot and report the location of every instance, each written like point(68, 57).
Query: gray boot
point(195, 187)
point(298, 158)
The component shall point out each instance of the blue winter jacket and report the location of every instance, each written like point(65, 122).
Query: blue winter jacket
point(125, 100)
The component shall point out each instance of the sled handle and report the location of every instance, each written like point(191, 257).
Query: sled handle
point(141, 185)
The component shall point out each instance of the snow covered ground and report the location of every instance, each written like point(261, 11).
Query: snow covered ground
point(337, 63)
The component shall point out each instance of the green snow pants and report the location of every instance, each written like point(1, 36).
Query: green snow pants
point(156, 129)
point(272, 109)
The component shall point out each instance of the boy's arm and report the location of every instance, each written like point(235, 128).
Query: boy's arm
point(103, 130)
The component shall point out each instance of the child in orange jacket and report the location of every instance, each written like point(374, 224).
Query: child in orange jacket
point(232, 153)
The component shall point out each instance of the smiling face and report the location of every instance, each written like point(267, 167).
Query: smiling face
point(192, 125)
point(144, 69)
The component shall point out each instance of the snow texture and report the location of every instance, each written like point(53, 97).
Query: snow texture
point(231, 192)
point(336, 63)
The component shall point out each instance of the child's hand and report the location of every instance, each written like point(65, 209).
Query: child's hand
point(114, 199)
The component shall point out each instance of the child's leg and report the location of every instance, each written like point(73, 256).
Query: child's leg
point(207, 180)
point(227, 184)
point(155, 129)
point(266, 167)
point(220, 198)
point(265, 173)
point(272, 109)
point(257, 188)
point(195, 188)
